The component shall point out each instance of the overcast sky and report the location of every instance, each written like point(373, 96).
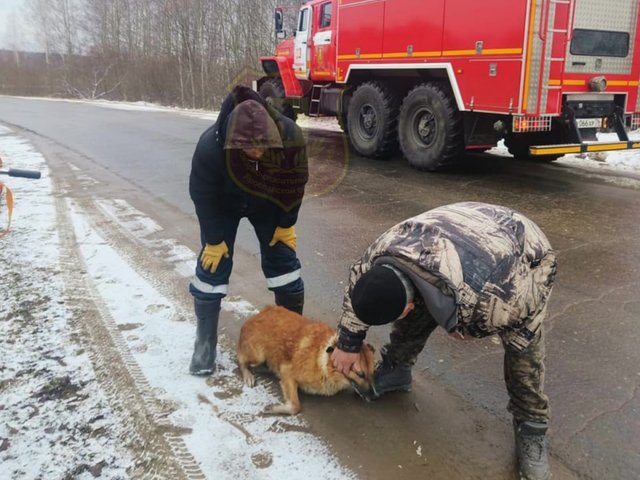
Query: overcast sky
point(13, 32)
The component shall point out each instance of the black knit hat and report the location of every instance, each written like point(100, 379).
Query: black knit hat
point(379, 296)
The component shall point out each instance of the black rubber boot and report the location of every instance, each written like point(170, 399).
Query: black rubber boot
point(532, 450)
point(293, 302)
point(203, 361)
point(390, 378)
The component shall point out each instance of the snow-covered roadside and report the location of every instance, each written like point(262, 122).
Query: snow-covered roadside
point(136, 106)
point(56, 420)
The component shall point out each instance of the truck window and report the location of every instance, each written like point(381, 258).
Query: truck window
point(325, 15)
point(303, 24)
point(599, 43)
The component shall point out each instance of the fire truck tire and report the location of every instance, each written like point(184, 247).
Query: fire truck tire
point(272, 91)
point(430, 128)
point(372, 119)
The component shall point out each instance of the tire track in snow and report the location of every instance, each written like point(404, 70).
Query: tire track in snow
point(155, 442)
point(271, 447)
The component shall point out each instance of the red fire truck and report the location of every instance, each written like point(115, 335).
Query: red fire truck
point(438, 77)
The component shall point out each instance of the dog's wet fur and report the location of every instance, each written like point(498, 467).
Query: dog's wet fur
point(298, 350)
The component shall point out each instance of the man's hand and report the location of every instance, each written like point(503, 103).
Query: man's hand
point(286, 236)
point(212, 254)
point(345, 361)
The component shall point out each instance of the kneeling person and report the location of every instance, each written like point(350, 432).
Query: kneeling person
point(475, 270)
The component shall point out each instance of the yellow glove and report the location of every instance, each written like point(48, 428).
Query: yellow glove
point(212, 254)
point(286, 236)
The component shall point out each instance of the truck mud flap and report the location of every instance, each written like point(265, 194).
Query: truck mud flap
point(539, 150)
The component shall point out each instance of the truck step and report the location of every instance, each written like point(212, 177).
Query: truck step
point(538, 150)
point(316, 94)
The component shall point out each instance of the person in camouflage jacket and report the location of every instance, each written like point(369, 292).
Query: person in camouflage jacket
point(475, 270)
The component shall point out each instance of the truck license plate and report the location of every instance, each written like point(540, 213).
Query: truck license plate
point(589, 122)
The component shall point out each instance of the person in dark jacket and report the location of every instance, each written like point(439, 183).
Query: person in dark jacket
point(252, 163)
point(475, 270)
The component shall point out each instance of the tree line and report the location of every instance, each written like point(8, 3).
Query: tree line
point(175, 52)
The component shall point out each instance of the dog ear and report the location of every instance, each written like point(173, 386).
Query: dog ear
point(330, 349)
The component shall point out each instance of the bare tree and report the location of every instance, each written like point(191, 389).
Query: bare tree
point(180, 52)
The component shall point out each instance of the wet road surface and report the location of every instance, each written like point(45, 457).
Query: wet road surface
point(454, 423)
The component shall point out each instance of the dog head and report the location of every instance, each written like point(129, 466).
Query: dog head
point(362, 382)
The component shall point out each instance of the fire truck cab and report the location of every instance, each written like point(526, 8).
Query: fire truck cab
point(435, 78)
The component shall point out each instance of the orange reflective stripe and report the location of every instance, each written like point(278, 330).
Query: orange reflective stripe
point(9, 197)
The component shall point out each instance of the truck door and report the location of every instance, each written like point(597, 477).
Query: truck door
point(604, 43)
point(323, 49)
point(602, 37)
point(301, 44)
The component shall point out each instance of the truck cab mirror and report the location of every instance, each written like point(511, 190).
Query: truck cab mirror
point(279, 19)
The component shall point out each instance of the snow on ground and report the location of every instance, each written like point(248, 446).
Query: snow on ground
point(136, 106)
point(56, 420)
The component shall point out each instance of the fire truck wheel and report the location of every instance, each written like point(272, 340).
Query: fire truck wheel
point(372, 119)
point(430, 128)
point(272, 91)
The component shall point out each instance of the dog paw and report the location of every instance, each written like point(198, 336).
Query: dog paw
point(270, 410)
point(249, 379)
point(281, 409)
point(250, 382)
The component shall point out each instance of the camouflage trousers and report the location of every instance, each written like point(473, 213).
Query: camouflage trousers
point(523, 370)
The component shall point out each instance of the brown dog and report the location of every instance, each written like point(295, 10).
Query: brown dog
point(298, 351)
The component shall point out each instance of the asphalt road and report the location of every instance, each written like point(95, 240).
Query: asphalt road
point(456, 412)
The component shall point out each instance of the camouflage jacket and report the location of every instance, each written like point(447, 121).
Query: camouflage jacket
point(493, 265)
